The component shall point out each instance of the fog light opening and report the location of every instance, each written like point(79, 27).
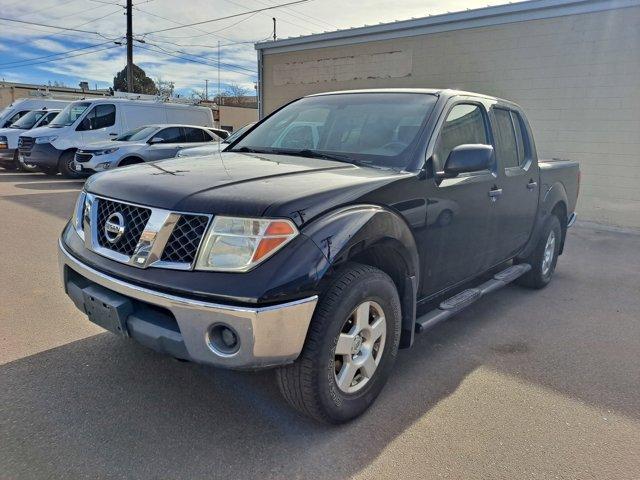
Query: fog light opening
point(223, 339)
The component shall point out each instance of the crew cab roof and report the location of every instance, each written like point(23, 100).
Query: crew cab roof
point(442, 92)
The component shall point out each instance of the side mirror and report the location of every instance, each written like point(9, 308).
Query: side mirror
point(85, 124)
point(155, 140)
point(468, 158)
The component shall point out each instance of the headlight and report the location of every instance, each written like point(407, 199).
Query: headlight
point(239, 244)
point(47, 139)
point(106, 152)
point(77, 217)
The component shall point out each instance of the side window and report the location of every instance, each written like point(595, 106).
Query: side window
point(100, 116)
point(521, 138)
point(464, 125)
point(506, 144)
point(193, 135)
point(15, 117)
point(169, 135)
point(47, 119)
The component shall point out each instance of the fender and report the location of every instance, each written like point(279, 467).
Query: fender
point(551, 196)
point(344, 233)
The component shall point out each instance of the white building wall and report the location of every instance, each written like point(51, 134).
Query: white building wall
point(576, 76)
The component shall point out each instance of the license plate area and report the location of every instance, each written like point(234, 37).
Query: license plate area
point(108, 309)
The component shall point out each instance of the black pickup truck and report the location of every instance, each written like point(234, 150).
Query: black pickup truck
point(323, 239)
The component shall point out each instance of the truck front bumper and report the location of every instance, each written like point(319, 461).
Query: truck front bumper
point(7, 157)
point(41, 154)
point(189, 329)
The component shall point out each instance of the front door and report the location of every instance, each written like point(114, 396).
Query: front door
point(460, 226)
point(165, 143)
point(98, 124)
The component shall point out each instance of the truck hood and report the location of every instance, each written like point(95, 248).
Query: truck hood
point(233, 183)
point(43, 131)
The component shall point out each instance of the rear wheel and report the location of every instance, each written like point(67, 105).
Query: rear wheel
point(65, 166)
point(350, 349)
point(544, 257)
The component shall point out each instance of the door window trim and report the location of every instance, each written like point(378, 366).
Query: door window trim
point(525, 164)
point(492, 172)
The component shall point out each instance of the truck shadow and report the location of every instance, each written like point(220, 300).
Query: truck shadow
point(110, 408)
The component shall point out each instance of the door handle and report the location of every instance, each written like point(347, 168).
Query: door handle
point(113, 134)
point(495, 193)
point(532, 185)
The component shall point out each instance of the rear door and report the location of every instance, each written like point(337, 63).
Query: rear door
point(518, 173)
point(460, 227)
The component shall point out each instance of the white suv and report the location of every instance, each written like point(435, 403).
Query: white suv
point(143, 144)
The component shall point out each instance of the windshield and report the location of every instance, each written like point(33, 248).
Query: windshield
point(70, 114)
point(140, 133)
point(29, 120)
point(376, 129)
point(238, 133)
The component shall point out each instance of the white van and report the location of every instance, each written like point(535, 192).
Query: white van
point(52, 148)
point(9, 136)
point(22, 106)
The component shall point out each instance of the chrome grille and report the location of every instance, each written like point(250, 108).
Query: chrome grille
point(25, 144)
point(83, 157)
point(183, 243)
point(135, 219)
point(141, 236)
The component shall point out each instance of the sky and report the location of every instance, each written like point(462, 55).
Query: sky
point(186, 56)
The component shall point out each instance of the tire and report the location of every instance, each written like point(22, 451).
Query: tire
point(542, 267)
point(65, 166)
point(23, 167)
point(311, 383)
point(130, 161)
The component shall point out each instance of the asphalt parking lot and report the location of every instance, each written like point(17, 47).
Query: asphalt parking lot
point(525, 384)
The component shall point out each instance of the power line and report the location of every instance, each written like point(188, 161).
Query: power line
point(65, 34)
point(165, 52)
point(64, 58)
point(229, 16)
point(215, 62)
point(54, 54)
point(50, 26)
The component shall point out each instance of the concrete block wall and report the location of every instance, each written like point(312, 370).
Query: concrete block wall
point(576, 76)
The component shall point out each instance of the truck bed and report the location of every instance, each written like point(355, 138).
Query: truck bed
point(565, 173)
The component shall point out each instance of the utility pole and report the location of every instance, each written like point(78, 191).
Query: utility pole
point(274, 28)
point(206, 89)
point(130, 46)
point(219, 92)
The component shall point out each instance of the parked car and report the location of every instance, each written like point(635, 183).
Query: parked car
point(22, 106)
point(52, 148)
point(304, 258)
point(9, 137)
point(214, 148)
point(220, 132)
point(142, 144)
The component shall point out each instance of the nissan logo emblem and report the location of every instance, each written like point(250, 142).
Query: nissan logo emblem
point(114, 227)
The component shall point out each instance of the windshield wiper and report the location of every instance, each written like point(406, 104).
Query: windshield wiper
point(247, 150)
point(306, 152)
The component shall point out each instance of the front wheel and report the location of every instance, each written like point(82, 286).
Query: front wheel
point(66, 166)
point(350, 349)
point(544, 257)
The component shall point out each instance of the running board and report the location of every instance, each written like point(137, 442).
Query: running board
point(462, 300)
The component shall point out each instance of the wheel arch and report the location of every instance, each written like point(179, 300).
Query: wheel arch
point(130, 160)
point(374, 236)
